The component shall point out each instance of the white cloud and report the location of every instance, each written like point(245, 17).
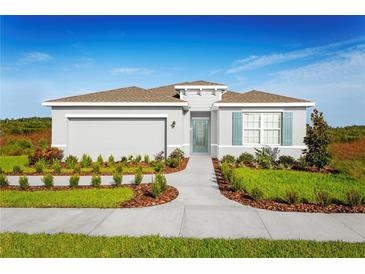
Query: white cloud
point(255, 62)
point(84, 62)
point(35, 56)
point(131, 70)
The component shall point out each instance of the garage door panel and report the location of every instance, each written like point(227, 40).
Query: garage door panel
point(116, 136)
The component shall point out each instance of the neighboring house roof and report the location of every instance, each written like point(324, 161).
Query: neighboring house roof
point(168, 94)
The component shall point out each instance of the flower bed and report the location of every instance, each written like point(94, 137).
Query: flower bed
point(243, 197)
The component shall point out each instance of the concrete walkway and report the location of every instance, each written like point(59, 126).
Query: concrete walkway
point(200, 211)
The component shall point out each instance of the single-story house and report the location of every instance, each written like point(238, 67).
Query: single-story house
point(198, 117)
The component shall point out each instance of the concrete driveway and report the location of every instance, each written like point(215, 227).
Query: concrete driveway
point(200, 211)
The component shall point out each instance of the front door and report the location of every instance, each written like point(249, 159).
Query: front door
point(200, 135)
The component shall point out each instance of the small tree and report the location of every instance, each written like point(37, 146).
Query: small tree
point(317, 141)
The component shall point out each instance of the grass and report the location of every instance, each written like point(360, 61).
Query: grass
point(275, 183)
point(97, 198)
point(8, 162)
point(76, 245)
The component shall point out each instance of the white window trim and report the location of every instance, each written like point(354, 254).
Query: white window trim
point(261, 129)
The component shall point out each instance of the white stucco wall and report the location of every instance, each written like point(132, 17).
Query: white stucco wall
point(176, 137)
point(225, 131)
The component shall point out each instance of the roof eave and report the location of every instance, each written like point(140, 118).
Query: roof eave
point(112, 104)
point(288, 104)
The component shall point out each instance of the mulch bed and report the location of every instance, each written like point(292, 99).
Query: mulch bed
point(142, 193)
point(167, 170)
point(244, 199)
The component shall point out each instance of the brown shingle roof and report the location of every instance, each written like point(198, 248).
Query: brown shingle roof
point(168, 94)
point(255, 96)
point(128, 94)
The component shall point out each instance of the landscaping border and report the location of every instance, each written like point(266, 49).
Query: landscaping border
point(245, 199)
point(142, 194)
point(167, 170)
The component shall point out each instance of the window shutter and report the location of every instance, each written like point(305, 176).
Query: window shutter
point(236, 128)
point(287, 135)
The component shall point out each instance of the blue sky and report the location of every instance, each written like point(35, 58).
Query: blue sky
point(321, 58)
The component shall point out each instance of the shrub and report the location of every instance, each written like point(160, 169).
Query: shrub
point(236, 182)
point(77, 168)
point(354, 197)
point(1, 170)
point(286, 161)
point(71, 161)
point(96, 168)
point(49, 155)
point(158, 166)
point(43, 143)
point(117, 178)
point(56, 166)
point(130, 158)
point(48, 180)
point(256, 193)
point(159, 185)
point(100, 159)
point(300, 164)
point(23, 182)
point(229, 159)
point(177, 153)
point(317, 141)
point(292, 196)
point(138, 176)
point(266, 156)
point(146, 159)
point(95, 180)
point(3, 180)
point(246, 159)
point(119, 168)
point(17, 169)
point(173, 162)
point(323, 198)
point(85, 161)
point(159, 156)
point(74, 180)
point(226, 171)
point(137, 159)
point(40, 166)
point(124, 160)
point(111, 161)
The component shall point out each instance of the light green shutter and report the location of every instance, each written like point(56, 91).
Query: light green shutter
point(287, 129)
point(236, 128)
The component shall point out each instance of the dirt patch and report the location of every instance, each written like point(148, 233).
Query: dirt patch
point(142, 193)
point(245, 199)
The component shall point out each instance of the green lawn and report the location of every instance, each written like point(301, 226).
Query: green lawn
point(8, 162)
point(76, 245)
point(99, 198)
point(275, 183)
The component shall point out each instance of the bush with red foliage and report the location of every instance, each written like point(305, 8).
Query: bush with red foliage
point(48, 155)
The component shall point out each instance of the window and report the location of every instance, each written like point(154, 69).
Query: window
point(272, 125)
point(262, 128)
point(251, 126)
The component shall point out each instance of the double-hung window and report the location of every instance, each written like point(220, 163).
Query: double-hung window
point(262, 128)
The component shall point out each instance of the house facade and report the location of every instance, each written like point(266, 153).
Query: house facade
point(198, 117)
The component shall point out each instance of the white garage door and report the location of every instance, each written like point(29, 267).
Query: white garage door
point(116, 136)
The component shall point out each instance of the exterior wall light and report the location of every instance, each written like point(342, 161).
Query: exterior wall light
point(173, 124)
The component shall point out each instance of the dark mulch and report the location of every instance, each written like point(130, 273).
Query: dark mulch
point(167, 170)
point(142, 193)
point(143, 196)
point(244, 199)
